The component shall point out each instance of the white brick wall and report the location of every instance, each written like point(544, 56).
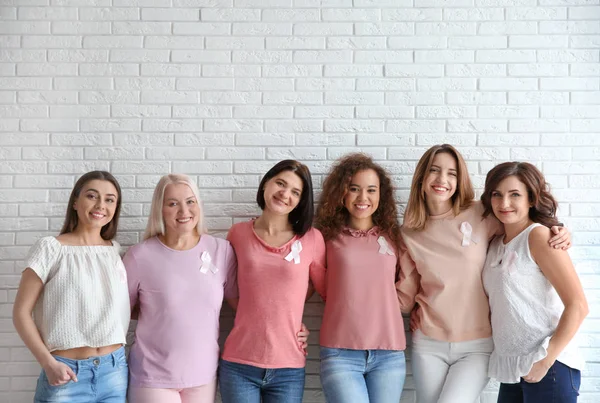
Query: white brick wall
point(221, 89)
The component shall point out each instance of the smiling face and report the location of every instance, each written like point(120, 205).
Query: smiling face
point(282, 193)
point(440, 182)
point(96, 204)
point(510, 201)
point(180, 209)
point(362, 198)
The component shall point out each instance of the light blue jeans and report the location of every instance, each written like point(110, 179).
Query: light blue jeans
point(362, 376)
point(240, 383)
point(99, 380)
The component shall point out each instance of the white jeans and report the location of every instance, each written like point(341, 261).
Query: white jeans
point(449, 372)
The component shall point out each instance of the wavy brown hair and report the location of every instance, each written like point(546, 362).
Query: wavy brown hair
point(332, 216)
point(416, 214)
point(544, 206)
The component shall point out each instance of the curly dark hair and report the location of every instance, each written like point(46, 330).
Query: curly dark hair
point(332, 216)
point(544, 206)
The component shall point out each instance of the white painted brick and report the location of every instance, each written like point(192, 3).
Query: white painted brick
point(204, 84)
point(262, 56)
point(301, 154)
point(141, 111)
point(25, 111)
point(507, 56)
point(230, 14)
point(9, 41)
point(264, 139)
point(354, 98)
point(473, 14)
point(139, 56)
point(538, 125)
point(415, 126)
point(570, 83)
point(47, 13)
point(350, 70)
point(292, 98)
point(200, 56)
point(230, 97)
point(49, 125)
point(202, 111)
point(417, 42)
point(235, 153)
point(350, 14)
point(82, 28)
point(448, 84)
point(22, 167)
point(173, 42)
point(204, 167)
point(46, 69)
point(508, 112)
point(392, 112)
point(50, 41)
point(587, 153)
point(142, 28)
point(47, 97)
point(538, 98)
point(385, 84)
point(295, 15)
point(9, 125)
point(329, 139)
point(585, 125)
point(82, 139)
point(414, 98)
point(133, 167)
point(355, 125)
point(538, 70)
point(410, 14)
point(293, 126)
point(324, 112)
point(437, 112)
point(77, 55)
point(446, 28)
point(585, 13)
point(109, 14)
point(579, 139)
point(24, 28)
point(110, 125)
point(112, 42)
point(109, 97)
point(568, 56)
point(235, 43)
point(168, 97)
point(232, 125)
point(71, 83)
point(277, 112)
point(319, 29)
point(569, 27)
point(477, 126)
point(18, 55)
point(8, 97)
point(260, 29)
point(585, 70)
point(478, 42)
point(507, 28)
point(143, 139)
point(506, 139)
point(175, 153)
point(571, 111)
point(475, 70)
point(108, 69)
point(382, 29)
point(114, 153)
point(170, 14)
point(293, 70)
point(143, 83)
point(508, 84)
point(585, 41)
point(79, 111)
point(204, 139)
point(585, 97)
point(240, 70)
point(141, 3)
point(444, 56)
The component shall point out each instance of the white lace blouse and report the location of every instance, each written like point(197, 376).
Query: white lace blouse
point(525, 310)
point(85, 301)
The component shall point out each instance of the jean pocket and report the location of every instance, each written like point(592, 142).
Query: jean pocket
point(575, 379)
point(327, 352)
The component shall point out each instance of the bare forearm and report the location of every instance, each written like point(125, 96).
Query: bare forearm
point(31, 337)
point(568, 325)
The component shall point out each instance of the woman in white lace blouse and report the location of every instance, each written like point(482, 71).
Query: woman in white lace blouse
point(76, 286)
point(536, 299)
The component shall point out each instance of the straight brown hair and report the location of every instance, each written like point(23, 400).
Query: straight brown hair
point(108, 231)
point(416, 214)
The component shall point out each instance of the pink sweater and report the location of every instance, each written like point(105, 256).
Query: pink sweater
point(272, 292)
point(180, 297)
point(443, 275)
point(361, 309)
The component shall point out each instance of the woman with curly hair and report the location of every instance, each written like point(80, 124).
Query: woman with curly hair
point(362, 335)
point(446, 242)
point(536, 299)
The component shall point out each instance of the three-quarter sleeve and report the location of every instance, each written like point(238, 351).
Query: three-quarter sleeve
point(408, 285)
point(42, 257)
point(318, 267)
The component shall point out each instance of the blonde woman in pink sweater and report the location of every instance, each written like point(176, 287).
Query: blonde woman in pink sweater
point(446, 241)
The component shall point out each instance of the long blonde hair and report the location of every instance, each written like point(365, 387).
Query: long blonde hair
point(416, 214)
point(156, 222)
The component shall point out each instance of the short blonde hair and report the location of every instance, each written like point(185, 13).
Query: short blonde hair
point(156, 222)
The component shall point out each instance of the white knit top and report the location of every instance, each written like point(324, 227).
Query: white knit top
point(525, 310)
point(85, 301)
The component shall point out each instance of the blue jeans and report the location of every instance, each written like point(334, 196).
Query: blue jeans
point(358, 376)
point(240, 383)
point(560, 385)
point(99, 380)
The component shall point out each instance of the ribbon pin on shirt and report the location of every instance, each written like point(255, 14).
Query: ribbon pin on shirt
point(384, 247)
point(295, 253)
point(207, 263)
point(467, 232)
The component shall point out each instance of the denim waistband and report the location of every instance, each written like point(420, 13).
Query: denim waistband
point(109, 359)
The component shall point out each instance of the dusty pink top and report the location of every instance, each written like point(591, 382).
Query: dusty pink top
point(361, 308)
point(442, 273)
point(272, 293)
point(180, 297)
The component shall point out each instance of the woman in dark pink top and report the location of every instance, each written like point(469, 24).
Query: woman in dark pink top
point(277, 255)
point(362, 335)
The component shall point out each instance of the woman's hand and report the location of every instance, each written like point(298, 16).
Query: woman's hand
point(59, 373)
point(303, 338)
point(538, 371)
point(561, 238)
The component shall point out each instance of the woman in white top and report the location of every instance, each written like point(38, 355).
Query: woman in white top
point(536, 299)
point(76, 286)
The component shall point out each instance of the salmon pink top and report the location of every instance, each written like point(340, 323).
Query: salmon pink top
point(441, 269)
point(361, 308)
point(272, 283)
